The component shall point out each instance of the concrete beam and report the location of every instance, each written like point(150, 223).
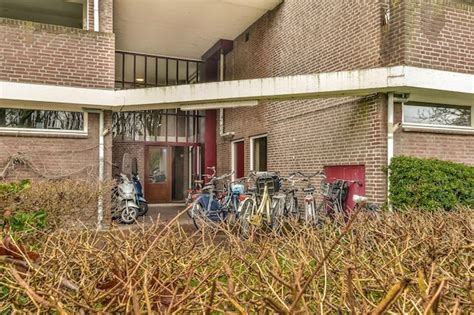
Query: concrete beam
point(426, 83)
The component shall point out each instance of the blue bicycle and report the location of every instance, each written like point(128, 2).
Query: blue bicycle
point(214, 205)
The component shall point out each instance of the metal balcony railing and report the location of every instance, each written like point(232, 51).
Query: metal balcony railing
point(135, 70)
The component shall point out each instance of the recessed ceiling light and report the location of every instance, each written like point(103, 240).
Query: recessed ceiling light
point(140, 80)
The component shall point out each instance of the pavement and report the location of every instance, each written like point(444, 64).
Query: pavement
point(165, 213)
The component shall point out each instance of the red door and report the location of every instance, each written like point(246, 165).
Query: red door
point(239, 158)
point(355, 174)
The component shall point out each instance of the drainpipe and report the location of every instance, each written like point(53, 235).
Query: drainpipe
point(96, 15)
point(100, 202)
point(221, 111)
point(390, 110)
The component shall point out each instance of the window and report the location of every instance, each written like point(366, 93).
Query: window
point(158, 126)
point(44, 120)
point(63, 13)
point(258, 154)
point(446, 116)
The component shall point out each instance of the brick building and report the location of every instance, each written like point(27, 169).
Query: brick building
point(341, 85)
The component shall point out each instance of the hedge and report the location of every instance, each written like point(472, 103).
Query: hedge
point(430, 184)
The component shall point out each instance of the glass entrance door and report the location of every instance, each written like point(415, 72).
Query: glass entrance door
point(158, 174)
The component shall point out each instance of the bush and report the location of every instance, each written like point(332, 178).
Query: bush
point(405, 261)
point(55, 203)
point(430, 184)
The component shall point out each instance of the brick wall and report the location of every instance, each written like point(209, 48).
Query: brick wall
point(50, 54)
point(58, 155)
point(445, 146)
point(329, 132)
point(106, 15)
point(299, 37)
point(134, 150)
point(306, 36)
point(437, 34)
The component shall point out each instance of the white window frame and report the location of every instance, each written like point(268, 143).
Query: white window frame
point(39, 131)
point(252, 142)
point(435, 126)
point(232, 157)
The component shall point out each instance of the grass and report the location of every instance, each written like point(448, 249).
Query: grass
point(408, 262)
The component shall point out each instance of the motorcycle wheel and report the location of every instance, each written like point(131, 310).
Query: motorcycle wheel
point(128, 215)
point(143, 209)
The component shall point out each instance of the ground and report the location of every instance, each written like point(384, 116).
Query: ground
point(165, 213)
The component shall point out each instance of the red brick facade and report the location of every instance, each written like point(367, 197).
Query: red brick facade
point(56, 55)
point(302, 37)
point(454, 146)
point(440, 35)
point(55, 156)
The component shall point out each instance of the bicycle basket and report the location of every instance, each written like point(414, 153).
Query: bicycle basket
point(325, 188)
point(339, 190)
point(271, 180)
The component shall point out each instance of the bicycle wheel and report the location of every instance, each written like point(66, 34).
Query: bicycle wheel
point(278, 213)
point(291, 208)
point(310, 217)
point(198, 214)
point(245, 213)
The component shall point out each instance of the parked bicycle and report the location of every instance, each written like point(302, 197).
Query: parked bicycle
point(263, 206)
point(214, 205)
point(310, 215)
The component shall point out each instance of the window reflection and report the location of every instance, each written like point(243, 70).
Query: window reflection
point(441, 115)
point(157, 165)
point(41, 119)
point(159, 126)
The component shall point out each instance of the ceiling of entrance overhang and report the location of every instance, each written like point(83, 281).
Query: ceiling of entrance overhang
point(182, 28)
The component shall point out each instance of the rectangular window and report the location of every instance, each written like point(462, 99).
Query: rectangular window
point(259, 154)
point(169, 125)
point(437, 115)
point(63, 13)
point(46, 120)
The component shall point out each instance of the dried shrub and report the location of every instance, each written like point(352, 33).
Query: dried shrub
point(408, 262)
point(64, 201)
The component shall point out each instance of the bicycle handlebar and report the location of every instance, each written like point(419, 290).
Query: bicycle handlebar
point(309, 176)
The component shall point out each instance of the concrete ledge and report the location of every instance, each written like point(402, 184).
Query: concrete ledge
point(458, 87)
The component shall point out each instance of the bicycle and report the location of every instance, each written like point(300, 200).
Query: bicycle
point(261, 206)
point(291, 203)
point(196, 189)
point(209, 207)
point(310, 215)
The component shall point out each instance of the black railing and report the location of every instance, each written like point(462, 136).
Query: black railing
point(134, 70)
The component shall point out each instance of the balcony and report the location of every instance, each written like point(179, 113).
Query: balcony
point(134, 70)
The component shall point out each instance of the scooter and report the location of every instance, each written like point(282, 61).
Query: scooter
point(139, 198)
point(126, 208)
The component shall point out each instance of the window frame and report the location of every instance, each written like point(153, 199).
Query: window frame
point(252, 143)
point(42, 131)
point(436, 126)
